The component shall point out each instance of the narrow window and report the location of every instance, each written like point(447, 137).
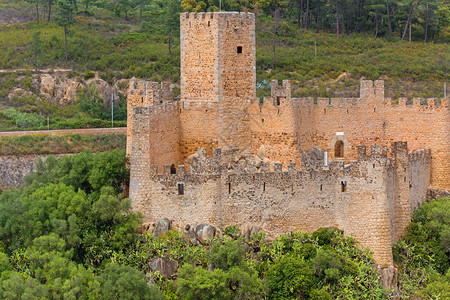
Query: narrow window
point(209, 23)
point(347, 110)
point(180, 188)
point(264, 187)
point(374, 109)
point(239, 49)
point(405, 179)
point(173, 169)
point(229, 187)
point(339, 149)
point(324, 111)
point(262, 120)
point(343, 186)
point(278, 100)
point(320, 187)
point(142, 99)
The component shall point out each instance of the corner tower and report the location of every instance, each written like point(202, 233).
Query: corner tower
point(218, 81)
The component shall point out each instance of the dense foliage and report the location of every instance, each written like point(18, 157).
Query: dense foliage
point(424, 254)
point(39, 144)
point(69, 233)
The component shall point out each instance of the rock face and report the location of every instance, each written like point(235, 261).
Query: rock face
point(167, 268)
point(162, 227)
point(389, 277)
point(57, 87)
point(205, 232)
point(190, 236)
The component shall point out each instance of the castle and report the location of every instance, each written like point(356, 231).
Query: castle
point(222, 156)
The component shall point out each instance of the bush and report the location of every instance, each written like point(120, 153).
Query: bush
point(289, 278)
point(119, 280)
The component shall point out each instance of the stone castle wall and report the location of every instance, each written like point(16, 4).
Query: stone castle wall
point(371, 119)
point(143, 93)
point(353, 197)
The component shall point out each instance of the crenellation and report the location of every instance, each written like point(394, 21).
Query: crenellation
point(278, 167)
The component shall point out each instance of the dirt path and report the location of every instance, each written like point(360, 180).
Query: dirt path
point(32, 70)
point(59, 131)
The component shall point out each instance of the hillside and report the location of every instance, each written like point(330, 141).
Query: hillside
point(318, 62)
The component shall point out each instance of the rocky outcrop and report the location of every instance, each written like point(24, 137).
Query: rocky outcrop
point(14, 168)
point(167, 268)
point(162, 227)
point(58, 87)
point(388, 277)
point(205, 232)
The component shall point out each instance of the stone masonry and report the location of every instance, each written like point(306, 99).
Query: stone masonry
point(222, 156)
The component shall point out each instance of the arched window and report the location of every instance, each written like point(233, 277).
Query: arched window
point(339, 149)
point(173, 169)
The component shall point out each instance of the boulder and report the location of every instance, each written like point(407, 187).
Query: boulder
point(144, 227)
point(258, 161)
point(205, 232)
point(192, 159)
point(190, 236)
point(167, 268)
point(261, 152)
point(162, 227)
point(389, 276)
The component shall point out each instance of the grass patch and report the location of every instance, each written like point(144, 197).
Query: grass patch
point(60, 143)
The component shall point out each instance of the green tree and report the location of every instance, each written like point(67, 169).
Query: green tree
point(36, 47)
point(193, 5)
point(289, 278)
point(172, 20)
point(123, 282)
point(65, 17)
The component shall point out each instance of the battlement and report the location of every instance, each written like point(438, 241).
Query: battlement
point(283, 91)
point(144, 93)
point(155, 109)
point(376, 152)
point(419, 155)
point(422, 103)
point(372, 89)
point(216, 15)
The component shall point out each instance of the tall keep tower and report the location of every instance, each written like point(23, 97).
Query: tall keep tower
point(218, 71)
point(217, 56)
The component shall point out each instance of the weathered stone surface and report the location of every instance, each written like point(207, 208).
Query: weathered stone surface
point(144, 227)
point(167, 268)
point(190, 236)
point(249, 229)
point(389, 276)
point(205, 232)
point(162, 227)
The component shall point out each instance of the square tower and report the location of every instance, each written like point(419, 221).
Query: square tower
point(217, 56)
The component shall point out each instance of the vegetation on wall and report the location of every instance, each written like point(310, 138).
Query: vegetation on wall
point(68, 232)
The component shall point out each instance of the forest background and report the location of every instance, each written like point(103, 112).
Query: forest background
point(324, 46)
